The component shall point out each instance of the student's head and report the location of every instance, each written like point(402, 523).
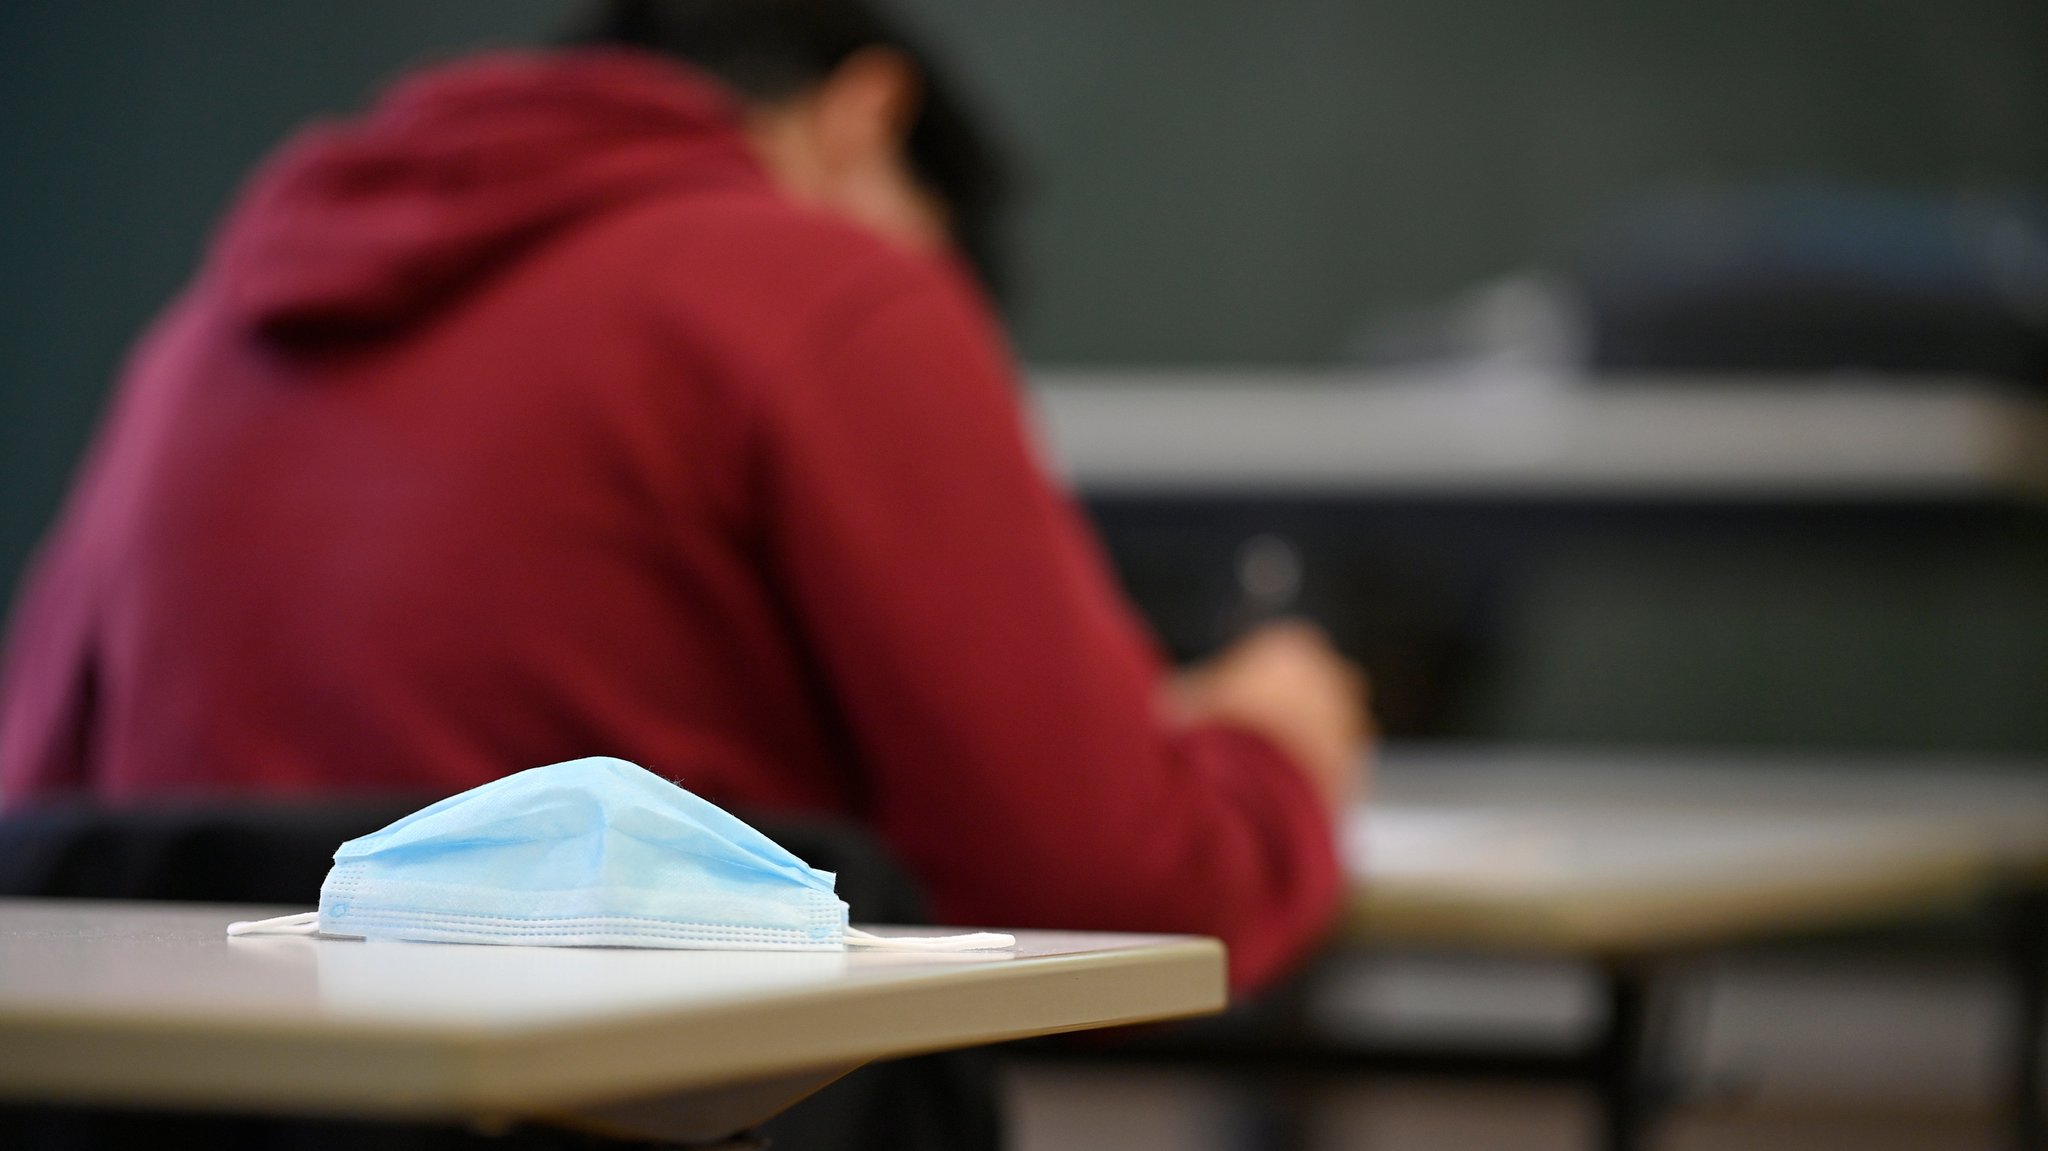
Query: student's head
point(845, 111)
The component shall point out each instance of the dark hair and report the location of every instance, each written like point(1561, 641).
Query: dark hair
point(769, 50)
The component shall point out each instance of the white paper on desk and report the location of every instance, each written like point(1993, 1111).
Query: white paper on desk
point(1420, 844)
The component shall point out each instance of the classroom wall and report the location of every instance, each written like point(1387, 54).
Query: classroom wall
point(1214, 181)
point(1246, 180)
point(124, 127)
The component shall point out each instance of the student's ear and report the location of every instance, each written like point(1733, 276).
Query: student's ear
point(865, 107)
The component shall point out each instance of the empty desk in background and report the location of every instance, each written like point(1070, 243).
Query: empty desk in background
point(1625, 859)
point(1612, 878)
point(1532, 436)
point(152, 1005)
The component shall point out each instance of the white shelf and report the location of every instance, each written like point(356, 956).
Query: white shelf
point(1506, 435)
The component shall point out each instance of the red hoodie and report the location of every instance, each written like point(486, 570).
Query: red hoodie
point(522, 420)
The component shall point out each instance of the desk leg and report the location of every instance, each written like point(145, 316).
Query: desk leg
point(2027, 951)
point(1274, 1109)
point(1270, 1116)
point(1622, 1061)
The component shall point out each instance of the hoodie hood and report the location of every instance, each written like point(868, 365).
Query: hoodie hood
point(365, 227)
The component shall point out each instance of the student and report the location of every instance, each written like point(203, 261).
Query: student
point(632, 398)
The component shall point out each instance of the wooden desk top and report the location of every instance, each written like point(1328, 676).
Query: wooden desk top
point(151, 1004)
point(1622, 853)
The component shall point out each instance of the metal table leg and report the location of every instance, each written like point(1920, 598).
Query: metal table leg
point(1274, 1109)
point(1269, 1117)
point(2026, 914)
point(1625, 1074)
point(1277, 1062)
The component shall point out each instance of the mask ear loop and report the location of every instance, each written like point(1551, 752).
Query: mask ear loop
point(972, 941)
point(302, 923)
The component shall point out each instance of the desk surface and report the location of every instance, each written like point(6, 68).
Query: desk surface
point(1495, 435)
point(153, 1004)
point(1618, 853)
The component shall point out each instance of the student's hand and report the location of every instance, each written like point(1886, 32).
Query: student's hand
point(1286, 682)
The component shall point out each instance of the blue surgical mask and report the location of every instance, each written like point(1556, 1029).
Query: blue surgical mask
point(591, 853)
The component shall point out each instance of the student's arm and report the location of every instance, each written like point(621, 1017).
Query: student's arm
point(1011, 718)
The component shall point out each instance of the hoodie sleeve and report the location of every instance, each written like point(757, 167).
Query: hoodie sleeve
point(1005, 705)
